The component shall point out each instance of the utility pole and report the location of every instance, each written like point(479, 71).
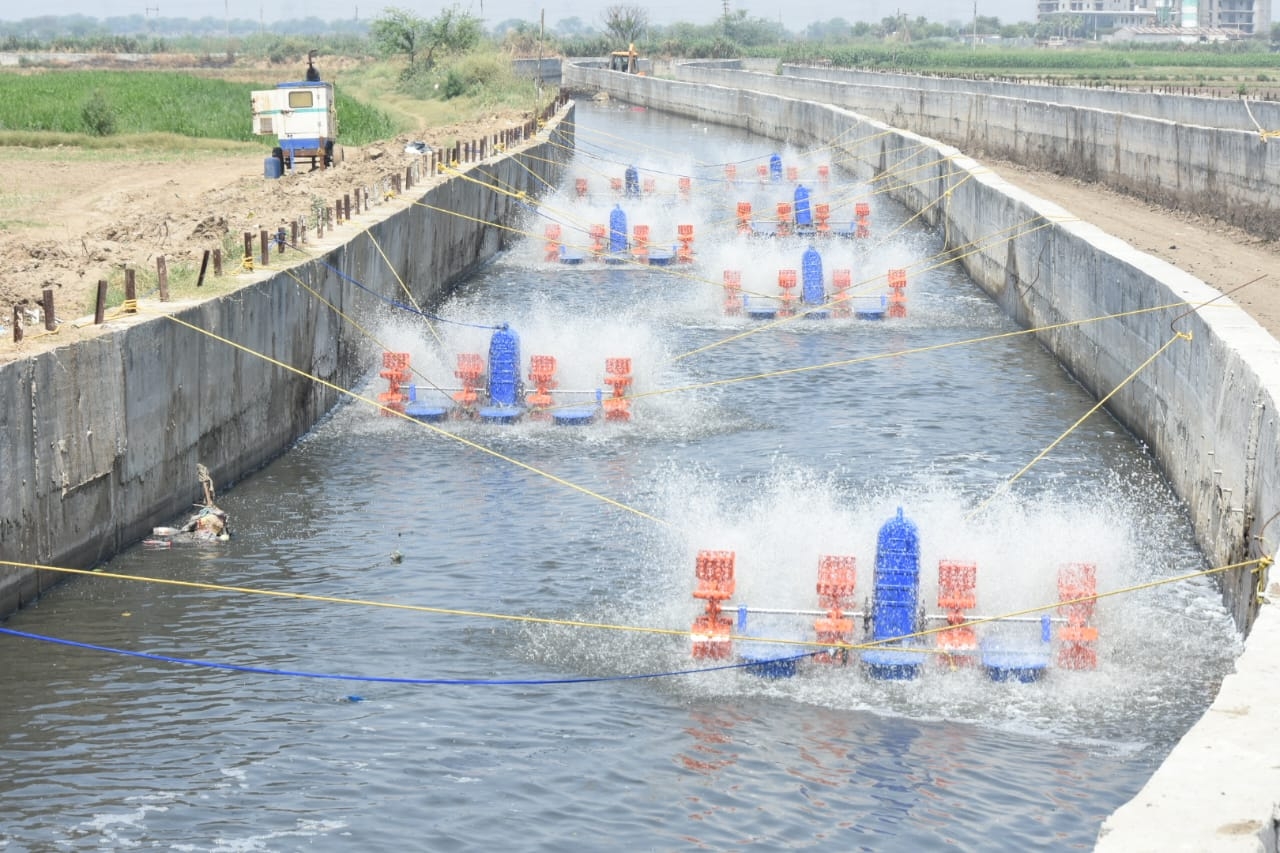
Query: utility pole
point(975, 24)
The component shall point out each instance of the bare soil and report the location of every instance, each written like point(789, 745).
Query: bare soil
point(86, 219)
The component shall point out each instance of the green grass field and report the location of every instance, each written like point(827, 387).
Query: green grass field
point(153, 102)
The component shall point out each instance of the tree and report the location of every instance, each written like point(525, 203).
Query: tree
point(452, 31)
point(398, 31)
point(625, 23)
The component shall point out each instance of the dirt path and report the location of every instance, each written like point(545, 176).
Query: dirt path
point(71, 217)
point(1219, 255)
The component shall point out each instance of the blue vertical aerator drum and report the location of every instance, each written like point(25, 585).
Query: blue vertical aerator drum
point(504, 377)
point(894, 607)
point(804, 216)
point(617, 230)
point(814, 291)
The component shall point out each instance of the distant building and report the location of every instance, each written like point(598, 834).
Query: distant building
point(1174, 35)
point(1241, 17)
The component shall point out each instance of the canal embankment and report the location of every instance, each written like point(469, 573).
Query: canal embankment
point(103, 436)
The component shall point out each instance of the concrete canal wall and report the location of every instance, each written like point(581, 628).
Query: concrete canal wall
point(1206, 407)
point(1189, 153)
point(101, 438)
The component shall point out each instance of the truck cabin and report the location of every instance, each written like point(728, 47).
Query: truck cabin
point(626, 61)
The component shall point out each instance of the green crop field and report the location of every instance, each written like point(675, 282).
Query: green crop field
point(149, 102)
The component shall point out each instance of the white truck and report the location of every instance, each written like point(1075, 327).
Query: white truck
point(302, 116)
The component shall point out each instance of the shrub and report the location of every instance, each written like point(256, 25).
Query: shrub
point(99, 118)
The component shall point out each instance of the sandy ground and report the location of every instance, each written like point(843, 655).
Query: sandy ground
point(69, 221)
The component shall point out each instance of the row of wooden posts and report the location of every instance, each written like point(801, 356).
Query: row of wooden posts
point(340, 212)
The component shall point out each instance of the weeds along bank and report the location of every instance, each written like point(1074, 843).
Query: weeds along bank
point(103, 436)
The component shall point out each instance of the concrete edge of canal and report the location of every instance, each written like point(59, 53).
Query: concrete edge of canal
point(1206, 406)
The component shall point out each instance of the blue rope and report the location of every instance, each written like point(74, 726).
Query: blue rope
point(466, 682)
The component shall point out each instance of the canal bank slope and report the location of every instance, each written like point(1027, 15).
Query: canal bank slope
point(102, 437)
point(1199, 387)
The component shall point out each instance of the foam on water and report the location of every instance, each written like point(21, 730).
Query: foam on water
point(1151, 642)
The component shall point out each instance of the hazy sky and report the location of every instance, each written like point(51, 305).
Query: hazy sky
point(795, 14)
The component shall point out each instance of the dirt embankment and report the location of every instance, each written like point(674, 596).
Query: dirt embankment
point(74, 217)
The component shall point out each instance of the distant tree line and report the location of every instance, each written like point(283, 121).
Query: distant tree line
point(398, 31)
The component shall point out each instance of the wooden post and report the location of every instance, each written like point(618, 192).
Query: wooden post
point(337, 206)
point(17, 324)
point(346, 207)
point(217, 262)
point(100, 308)
point(204, 267)
point(162, 277)
point(50, 322)
point(293, 234)
point(355, 192)
point(264, 242)
point(130, 285)
point(395, 183)
point(248, 246)
point(302, 227)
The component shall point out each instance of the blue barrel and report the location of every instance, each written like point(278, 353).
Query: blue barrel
point(804, 216)
point(897, 581)
point(775, 168)
point(815, 292)
point(633, 182)
point(272, 167)
point(504, 367)
point(617, 229)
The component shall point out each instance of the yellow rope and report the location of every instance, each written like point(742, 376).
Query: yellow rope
point(1102, 402)
point(1260, 565)
point(952, 258)
point(897, 353)
point(404, 287)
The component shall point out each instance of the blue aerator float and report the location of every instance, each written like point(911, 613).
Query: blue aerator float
point(612, 245)
point(493, 391)
point(819, 303)
point(900, 639)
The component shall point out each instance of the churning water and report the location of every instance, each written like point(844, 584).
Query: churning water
point(544, 735)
